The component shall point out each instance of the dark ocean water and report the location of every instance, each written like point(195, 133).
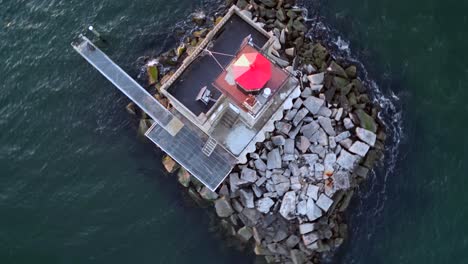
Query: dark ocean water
point(78, 186)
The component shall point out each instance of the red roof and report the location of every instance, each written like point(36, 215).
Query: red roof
point(251, 71)
point(238, 95)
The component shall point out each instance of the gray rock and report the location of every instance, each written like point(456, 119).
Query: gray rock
point(312, 191)
point(245, 233)
point(298, 103)
point(294, 169)
point(310, 129)
point(254, 155)
point(295, 183)
point(224, 191)
point(282, 188)
point(332, 142)
point(233, 218)
point(325, 123)
point(279, 61)
point(274, 159)
point(346, 143)
point(320, 137)
point(290, 52)
point(316, 78)
point(361, 171)
point(237, 205)
point(324, 111)
point(359, 148)
point(348, 124)
point(335, 68)
point(310, 238)
point(257, 191)
point(235, 182)
point(250, 216)
point(346, 160)
point(271, 190)
point(248, 175)
point(341, 180)
point(293, 133)
point(306, 93)
point(207, 194)
point(314, 246)
point(281, 234)
point(316, 87)
point(302, 208)
point(269, 3)
point(183, 176)
point(319, 167)
point(367, 136)
point(306, 228)
point(345, 201)
point(351, 71)
point(292, 241)
point(283, 36)
point(338, 242)
point(299, 26)
point(290, 114)
point(303, 144)
point(310, 158)
point(223, 207)
point(264, 205)
point(289, 146)
point(299, 116)
point(278, 178)
point(313, 104)
point(260, 165)
point(283, 127)
point(260, 181)
point(342, 136)
point(268, 145)
point(319, 150)
point(278, 140)
point(339, 114)
point(324, 202)
point(288, 205)
point(247, 198)
point(329, 162)
point(309, 68)
point(366, 121)
point(313, 211)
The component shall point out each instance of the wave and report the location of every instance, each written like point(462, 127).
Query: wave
point(372, 199)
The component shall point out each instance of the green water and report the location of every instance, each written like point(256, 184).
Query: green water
point(78, 186)
point(417, 49)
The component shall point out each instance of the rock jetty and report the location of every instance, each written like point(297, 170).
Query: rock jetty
point(287, 201)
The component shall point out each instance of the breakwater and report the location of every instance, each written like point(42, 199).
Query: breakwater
point(288, 200)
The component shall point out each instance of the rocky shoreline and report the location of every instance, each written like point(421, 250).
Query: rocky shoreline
point(287, 202)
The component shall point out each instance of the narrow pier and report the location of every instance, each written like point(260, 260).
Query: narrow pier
point(181, 140)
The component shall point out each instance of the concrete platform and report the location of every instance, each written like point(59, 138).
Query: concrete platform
point(204, 70)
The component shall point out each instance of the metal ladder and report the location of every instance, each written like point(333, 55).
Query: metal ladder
point(209, 146)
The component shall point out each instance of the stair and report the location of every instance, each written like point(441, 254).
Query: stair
point(209, 146)
point(229, 118)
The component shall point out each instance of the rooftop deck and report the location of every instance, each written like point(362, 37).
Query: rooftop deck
point(204, 70)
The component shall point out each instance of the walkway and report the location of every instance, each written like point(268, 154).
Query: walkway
point(178, 138)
